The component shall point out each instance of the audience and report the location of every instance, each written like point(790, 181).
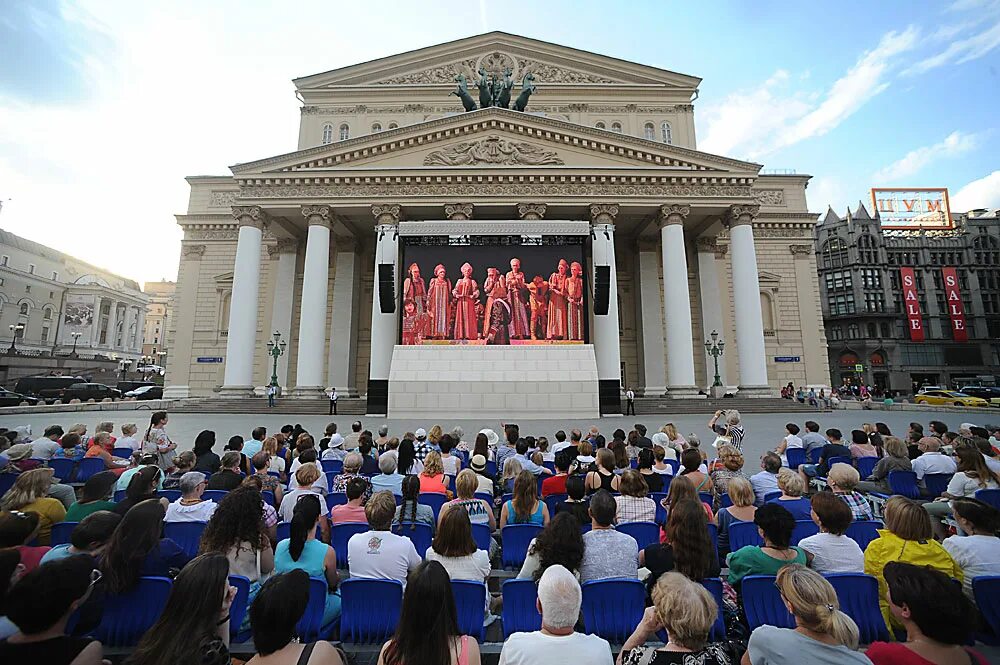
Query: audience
point(237, 531)
point(30, 495)
point(688, 550)
point(971, 476)
point(95, 496)
point(560, 542)
point(145, 460)
point(524, 507)
point(895, 459)
point(388, 479)
point(931, 459)
point(606, 552)
point(743, 509)
point(603, 477)
point(694, 470)
point(766, 481)
point(842, 480)
point(353, 510)
point(978, 552)
point(304, 479)
point(680, 489)
point(633, 504)
point(791, 499)
point(861, 446)
point(432, 477)
point(455, 549)
point(206, 460)
point(89, 537)
point(775, 526)
point(136, 549)
point(831, 550)
point(811, 438)
point(19, 530)
point(183, 463)
point(575, 503)
point(261, 463)
point(379, 553)
point(556, 484)
point(141, 488)
point(302, 551)
point(352, 469)
point(11, 570)
point(732, 467)
point(410, 510)
point(790, 440)
point(479, 511)
point(228, 477)
point(191, 507)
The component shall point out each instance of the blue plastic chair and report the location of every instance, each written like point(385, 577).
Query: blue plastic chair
point(485, 496)
point(129, 615)
point(238, 610)
point(185, 534)
point(87, 467)
point(284, 531)
point(904, 483)
point(707, 497)
point(268, 496)
point(762, 603)
point(718, 631)
point(124, 453)
point(335, 499)
point(420, 535)
point(725, 501)
point(483, 536)
point(742, 534)
point(6, 482)
point(552, 501)
point(814, 455)
point(470, 606)
point(661, 512)
point(333, 466)
point(803, 529)
point(63, 469)
point(520, 613)
point(644, 533)
point(340, 534)
point(369, 610)
point(858, 595)
point(169, 495)
point(795, 456)
point(491, 468)
point(119, 495)
point(434, 500)
point(61, 532)
point(986, 590)
point(516, 538)
point(673, 464)
point(330, 475)
point(713, 535)
point(551, 466)
point(866, 465)
point(612, 608)
point(936, 483)
point(310, 626)
point(838, 460)
point(214, 495)
point(991, 497)
point(771, 496)
point(863, 532)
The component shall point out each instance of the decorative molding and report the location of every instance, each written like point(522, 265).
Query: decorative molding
point(441, 74)
point(769, 197)
point(531, 210)
point(603, 213)
point(386, 214)
point(222, 199)
point(721, 251)
point(317, 215)
point(458, 211)
point(673, 213)
point(741, 214)
point(250, 216)
point(192, 252)
point(507, 227)
point(283, 246)
point(384, 109)
point(801, 250)
point(546, 73)
point(491, 150)
point(216, 233)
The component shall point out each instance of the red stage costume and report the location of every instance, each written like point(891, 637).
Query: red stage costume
point(539, 290)
point(517, 299)
point(494, 287)
point(414, 324)
point(466, 294)
point(414, 289)
point(439, 304)
point(500, 323)
point(574, 299)
point(556, 320)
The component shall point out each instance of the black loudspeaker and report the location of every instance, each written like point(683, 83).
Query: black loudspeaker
point(602, 289)
point(387, 287)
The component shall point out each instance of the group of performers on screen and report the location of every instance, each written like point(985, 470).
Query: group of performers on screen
point(514, 309)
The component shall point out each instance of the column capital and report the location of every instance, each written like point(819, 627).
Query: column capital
point(283, 246)
point(458, 211)
point(317, 215)
point(531, 211)
point(603, 213)
point(739, 215)
point(801, 250)
point(193, 252)
point(673, 213)
point(250, 216)
point(386, 214)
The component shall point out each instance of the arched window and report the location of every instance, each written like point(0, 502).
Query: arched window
point(666, 134)
point(600, 125)
point(834, 253)
point(393, 125)
point(848, 358)
point(649, 132)
point(867, 249)
point(47, 313)
point(345, 132)
point(24, 310)
point(224, 311)
point(327, 133)
point(616, 127)
point(376, 127)
point(766, 311)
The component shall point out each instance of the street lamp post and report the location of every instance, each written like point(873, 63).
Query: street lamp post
point(14, 330)
point(275, 349)
point(715, 348)
point(75, 336)
point(123, 366)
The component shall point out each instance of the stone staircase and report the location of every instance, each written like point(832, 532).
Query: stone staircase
point(303, 407)
point(665, 405)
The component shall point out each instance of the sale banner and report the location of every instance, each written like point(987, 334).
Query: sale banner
point(953, 301)
point(915, 321)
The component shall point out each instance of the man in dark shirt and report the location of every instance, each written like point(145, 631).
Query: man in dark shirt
point(835, 448)
point(228, 477)
point(644, 441)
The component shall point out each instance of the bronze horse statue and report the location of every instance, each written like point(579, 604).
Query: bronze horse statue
point(505, 87)
point(462, 92)
point(485, 89)
point(527, 87)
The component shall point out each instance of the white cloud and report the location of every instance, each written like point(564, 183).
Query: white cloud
point(961, 51)
point(954, 145)
point(982, 193)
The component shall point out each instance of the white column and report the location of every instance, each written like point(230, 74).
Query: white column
point(281, 300)
point(677, 303)
point(112, 325)
point(384, 325)
point(711, 303)
point(312, 311)
point(651, 323)
point(238, 378)
point(344, 321)
point(606, 333)
point(746, 303)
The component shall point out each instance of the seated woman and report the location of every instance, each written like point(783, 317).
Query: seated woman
point(653, 480)
point(206, 460)
point(689, 549)
point(603, 477)
point(660, 465)
point(191, 507)
point(511, 469)
point(71, 447)
point(302, 551)
point(451, 464)
point(775, 526)
point(585, 459)
point(937, 618)
point(142, 487)
point(682, 488)
point(741, 493)
point(410, 509)
point(790, 440)
point(732, 468)
point(273, 616)
point(17, 530)
point(524, 507)
point(633, 504)
point(454, 548)
point(686, 610)
point(197, 609)
point(978, 552)
point(905, 538)
point(261, 463)
point(842, 481)
point(691, 468)
point(972, 475)
point(30, 495)
point(99, 448)
point(90, 537)
point(40, 604)
point(831, 550)
point(432, 477)
point(896, 459)
point(96, 495)
point(182, 464)
point(136, 549)
point(861, 446)
point(575, 503)
point(791, 499)
point(479, 511)
point(822, 633)
point(561, 542)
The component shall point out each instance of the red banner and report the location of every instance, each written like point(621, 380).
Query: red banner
point(954, 303)
point(912, 304)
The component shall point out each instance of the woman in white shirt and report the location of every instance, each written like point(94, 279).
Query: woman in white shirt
point(277, 463)
point(791, 440)
point(128, 439)
point(832, 551)
point(977, 553)
point(456, 550)
point(972, 475)
point(191, 507)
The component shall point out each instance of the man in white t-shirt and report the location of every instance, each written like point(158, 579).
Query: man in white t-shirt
point(379, 553)
point(931, 459)
point(47, 445)
point(559, 599)
point(191, 507)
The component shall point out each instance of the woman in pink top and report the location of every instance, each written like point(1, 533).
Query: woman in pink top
point(432, 477)
point(353, 510)
point(860, 446)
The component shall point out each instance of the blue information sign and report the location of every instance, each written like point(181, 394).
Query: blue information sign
point(210, 359)
point(787, 359)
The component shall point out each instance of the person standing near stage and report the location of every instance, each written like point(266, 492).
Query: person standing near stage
point(271, 391)
point(629, 402)
point(574, 302)
point(493, 280)
point(497, 329)
point(439, 304)
point(539, 289)
point(556, 320)
point(414, 289)
point(331, 392)
point(516, 290)
point(466, 293)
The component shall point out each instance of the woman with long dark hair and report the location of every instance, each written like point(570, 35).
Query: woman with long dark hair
point(561, 542)
point(141, 487)
point(206, 461)
point(303, 552)
point(482, 447)
point(194, 626)
point(524, 507)
point(136, 549)
point(653, 480)
point(688, 550)
point(427, 632)
point(410, 510)
point(407, 463)
point(157, 442)
point(972, 475)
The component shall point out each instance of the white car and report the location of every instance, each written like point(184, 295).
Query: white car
point(146, 392)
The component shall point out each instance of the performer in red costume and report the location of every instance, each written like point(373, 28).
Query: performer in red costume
point(517, 299)
point(466, 293)
point(574, 300)
point(439, 304)
point(556, 323)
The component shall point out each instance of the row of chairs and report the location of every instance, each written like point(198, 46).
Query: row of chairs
point(742, 534)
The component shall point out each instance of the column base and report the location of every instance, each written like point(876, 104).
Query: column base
point(307, 392)
point(752, 392)
point(348, 391)
point(236, 391)
point(684, 392)
point(176, 392)
point(651, 391)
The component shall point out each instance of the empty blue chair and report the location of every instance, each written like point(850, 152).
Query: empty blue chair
point(340, 534)
point(863, 532)
point(936, 483)
point(866, 465)
point(725, 501)
point(169, 495)
point(707, 497)
point(333, 466)
point(310, 626)
point(63, 469)
point(214, 495)
point(718, 631)
point(612, 608)
point(491, 468)
point(61, 532)
point(420, 535)
point(483, 536)
point(470, 606)
point(762, 603)
point(795, 456)
point(771, 496)
point(858, 595)
point(516, 538)
point(644, 533)
point(742, 534)
point(335, 499)
point(904, 483)
point(986, 590)
point(87, 467)
point(803, 529)
point(991, 497)
point(713, 535)
point(238, 610)
point(124, 453)
point(552, 501)
point(369, 610)
point(128, 616)
point(185, 534)
point(434, 500)
point(485, 496)
point(520, 613)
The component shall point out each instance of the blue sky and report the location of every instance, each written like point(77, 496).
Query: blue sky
point(106, 106)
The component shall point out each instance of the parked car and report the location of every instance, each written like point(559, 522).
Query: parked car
point(86, 391)
point(9, 398)
point(989, 393)
point(48, 388)
point(126, 386)
point(146, 392)
point(949, 397)
point(927, 389)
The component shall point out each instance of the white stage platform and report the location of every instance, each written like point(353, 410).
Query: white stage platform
point(454, 381)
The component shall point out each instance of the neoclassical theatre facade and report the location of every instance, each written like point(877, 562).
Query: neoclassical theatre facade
point(605, 149)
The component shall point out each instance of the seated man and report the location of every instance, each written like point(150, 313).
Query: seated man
point(835, 448)
point(353, 510)
point(606, 552)
point(191, 507)
point(559, 600)
point(526, 464)
point(379, 553)
point(228, 476)
point(931, 459)
point(388, 480)
point(88, 537)
point(766, 480)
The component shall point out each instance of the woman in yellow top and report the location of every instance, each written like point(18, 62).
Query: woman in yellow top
point(29, 495)
point(906, 538)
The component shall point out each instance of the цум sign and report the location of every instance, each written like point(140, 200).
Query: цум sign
point(912, 209)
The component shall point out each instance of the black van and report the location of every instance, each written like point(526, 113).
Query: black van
point(45, 387)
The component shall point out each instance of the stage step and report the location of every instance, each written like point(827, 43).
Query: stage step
point(665, 405)
point(303, 407)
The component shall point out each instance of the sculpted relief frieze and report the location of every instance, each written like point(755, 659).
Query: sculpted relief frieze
point(492, 150)
point(222, 199)
point(479, 189)
point(548, 109)
point(770, 197)
point(494, 63)
point(441, 74)
point(545, 73)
